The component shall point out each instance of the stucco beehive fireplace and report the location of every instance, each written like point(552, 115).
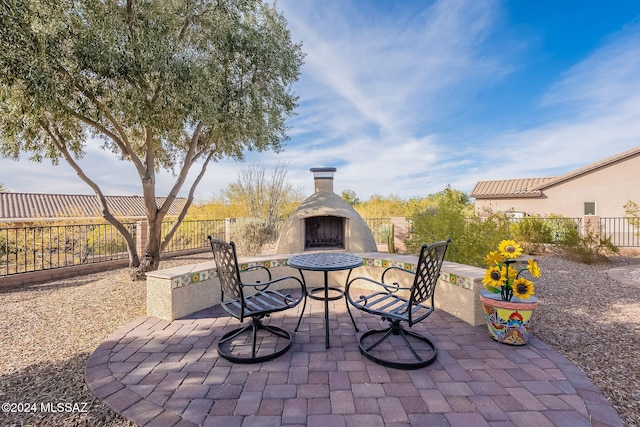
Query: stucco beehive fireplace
point(324, 221)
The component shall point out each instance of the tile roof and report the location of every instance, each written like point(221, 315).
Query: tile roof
point(532, 187)
point(30, 206)
point(526, 187)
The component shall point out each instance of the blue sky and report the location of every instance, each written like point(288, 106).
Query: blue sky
point(407, 97)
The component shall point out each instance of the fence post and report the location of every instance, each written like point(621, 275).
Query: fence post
point(142, 233)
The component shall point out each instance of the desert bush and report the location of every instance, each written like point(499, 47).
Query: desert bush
point(587, 247)
point(471, 236)
point(251, 234)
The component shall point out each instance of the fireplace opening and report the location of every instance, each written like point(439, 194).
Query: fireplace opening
point(324, 232)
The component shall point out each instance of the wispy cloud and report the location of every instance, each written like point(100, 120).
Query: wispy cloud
point(593, 110)
point(406, 97)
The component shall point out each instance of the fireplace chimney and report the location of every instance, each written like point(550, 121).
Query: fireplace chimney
point(323, 178)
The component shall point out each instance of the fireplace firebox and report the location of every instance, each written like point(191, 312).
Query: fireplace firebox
point(324, 232)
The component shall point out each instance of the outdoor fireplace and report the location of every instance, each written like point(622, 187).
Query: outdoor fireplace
point(324, 221)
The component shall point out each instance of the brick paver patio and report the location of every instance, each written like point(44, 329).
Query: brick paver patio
point(159, 373)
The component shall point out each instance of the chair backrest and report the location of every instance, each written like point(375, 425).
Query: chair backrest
point(428, 271)
point(226, 260)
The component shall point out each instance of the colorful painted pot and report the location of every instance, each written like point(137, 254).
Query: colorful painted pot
point(509, 322)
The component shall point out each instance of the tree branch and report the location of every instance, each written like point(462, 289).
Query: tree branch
point(59, 142)
point(187, 205)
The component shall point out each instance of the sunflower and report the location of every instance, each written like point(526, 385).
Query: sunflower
point(510, 249)
point(512, 272)
point(533, 268)
point(523, 288)
point(493, 258)
point(494, 278)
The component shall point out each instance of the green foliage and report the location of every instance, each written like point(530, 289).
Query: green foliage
point(251, 235)
point(589, 246)
point(350, 197)
point(453, 217)
point(531, 232)
point(631, 209)
point(534, 232)
point(164, 84)
point(632, 215)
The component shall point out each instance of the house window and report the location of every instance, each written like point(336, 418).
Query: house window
point(589, 208)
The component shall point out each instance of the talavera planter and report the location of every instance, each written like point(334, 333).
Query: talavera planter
point(509, 322)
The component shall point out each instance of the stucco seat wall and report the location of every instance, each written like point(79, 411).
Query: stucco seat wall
point(177, 292)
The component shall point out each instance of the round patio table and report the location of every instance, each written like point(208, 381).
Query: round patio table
point(325, 262)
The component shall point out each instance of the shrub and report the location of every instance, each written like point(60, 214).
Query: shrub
point(471, 236)
point(588, 247)
point(532, 233)
point(251, 234)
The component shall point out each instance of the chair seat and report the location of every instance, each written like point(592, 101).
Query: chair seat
point(392, 306)
point(261, 303)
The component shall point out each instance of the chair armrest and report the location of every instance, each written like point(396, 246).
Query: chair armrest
point(263, 286)
point(258, 267)
point(395, 287)
point(395, 269)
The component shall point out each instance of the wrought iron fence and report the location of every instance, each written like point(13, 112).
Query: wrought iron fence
point(193, 234)
point(623, 232)
point(35, 248)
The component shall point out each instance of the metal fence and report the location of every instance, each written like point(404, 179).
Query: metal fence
point(35, 248)
point(193, 234)
point(623, 232)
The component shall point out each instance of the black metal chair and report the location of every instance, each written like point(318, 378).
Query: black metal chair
point(395, 346)
point(255, 342)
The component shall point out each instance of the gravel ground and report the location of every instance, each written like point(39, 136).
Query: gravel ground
point(49, 330)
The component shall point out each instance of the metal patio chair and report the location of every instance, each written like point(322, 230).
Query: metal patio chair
point(395, 346)
point(256, 341)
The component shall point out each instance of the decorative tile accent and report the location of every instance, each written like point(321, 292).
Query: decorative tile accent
point(385, 263)
point(191, 278)
point(455, 280)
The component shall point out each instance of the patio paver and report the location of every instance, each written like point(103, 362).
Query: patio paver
point(158, 373)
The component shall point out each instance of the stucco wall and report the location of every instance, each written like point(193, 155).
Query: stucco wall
point(176, 292)
point(610, 187)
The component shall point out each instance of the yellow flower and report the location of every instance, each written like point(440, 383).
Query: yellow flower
point(510, 249)
point(533, 268)
point(493, 258)
point(494, 277)
point(513, 273)
point(523, 288)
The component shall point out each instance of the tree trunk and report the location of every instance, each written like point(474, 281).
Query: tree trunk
point(150, 260)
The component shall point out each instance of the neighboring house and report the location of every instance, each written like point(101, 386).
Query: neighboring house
point(600, 189)
point(29, 207)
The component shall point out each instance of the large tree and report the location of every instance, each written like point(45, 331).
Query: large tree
point(167, 84)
